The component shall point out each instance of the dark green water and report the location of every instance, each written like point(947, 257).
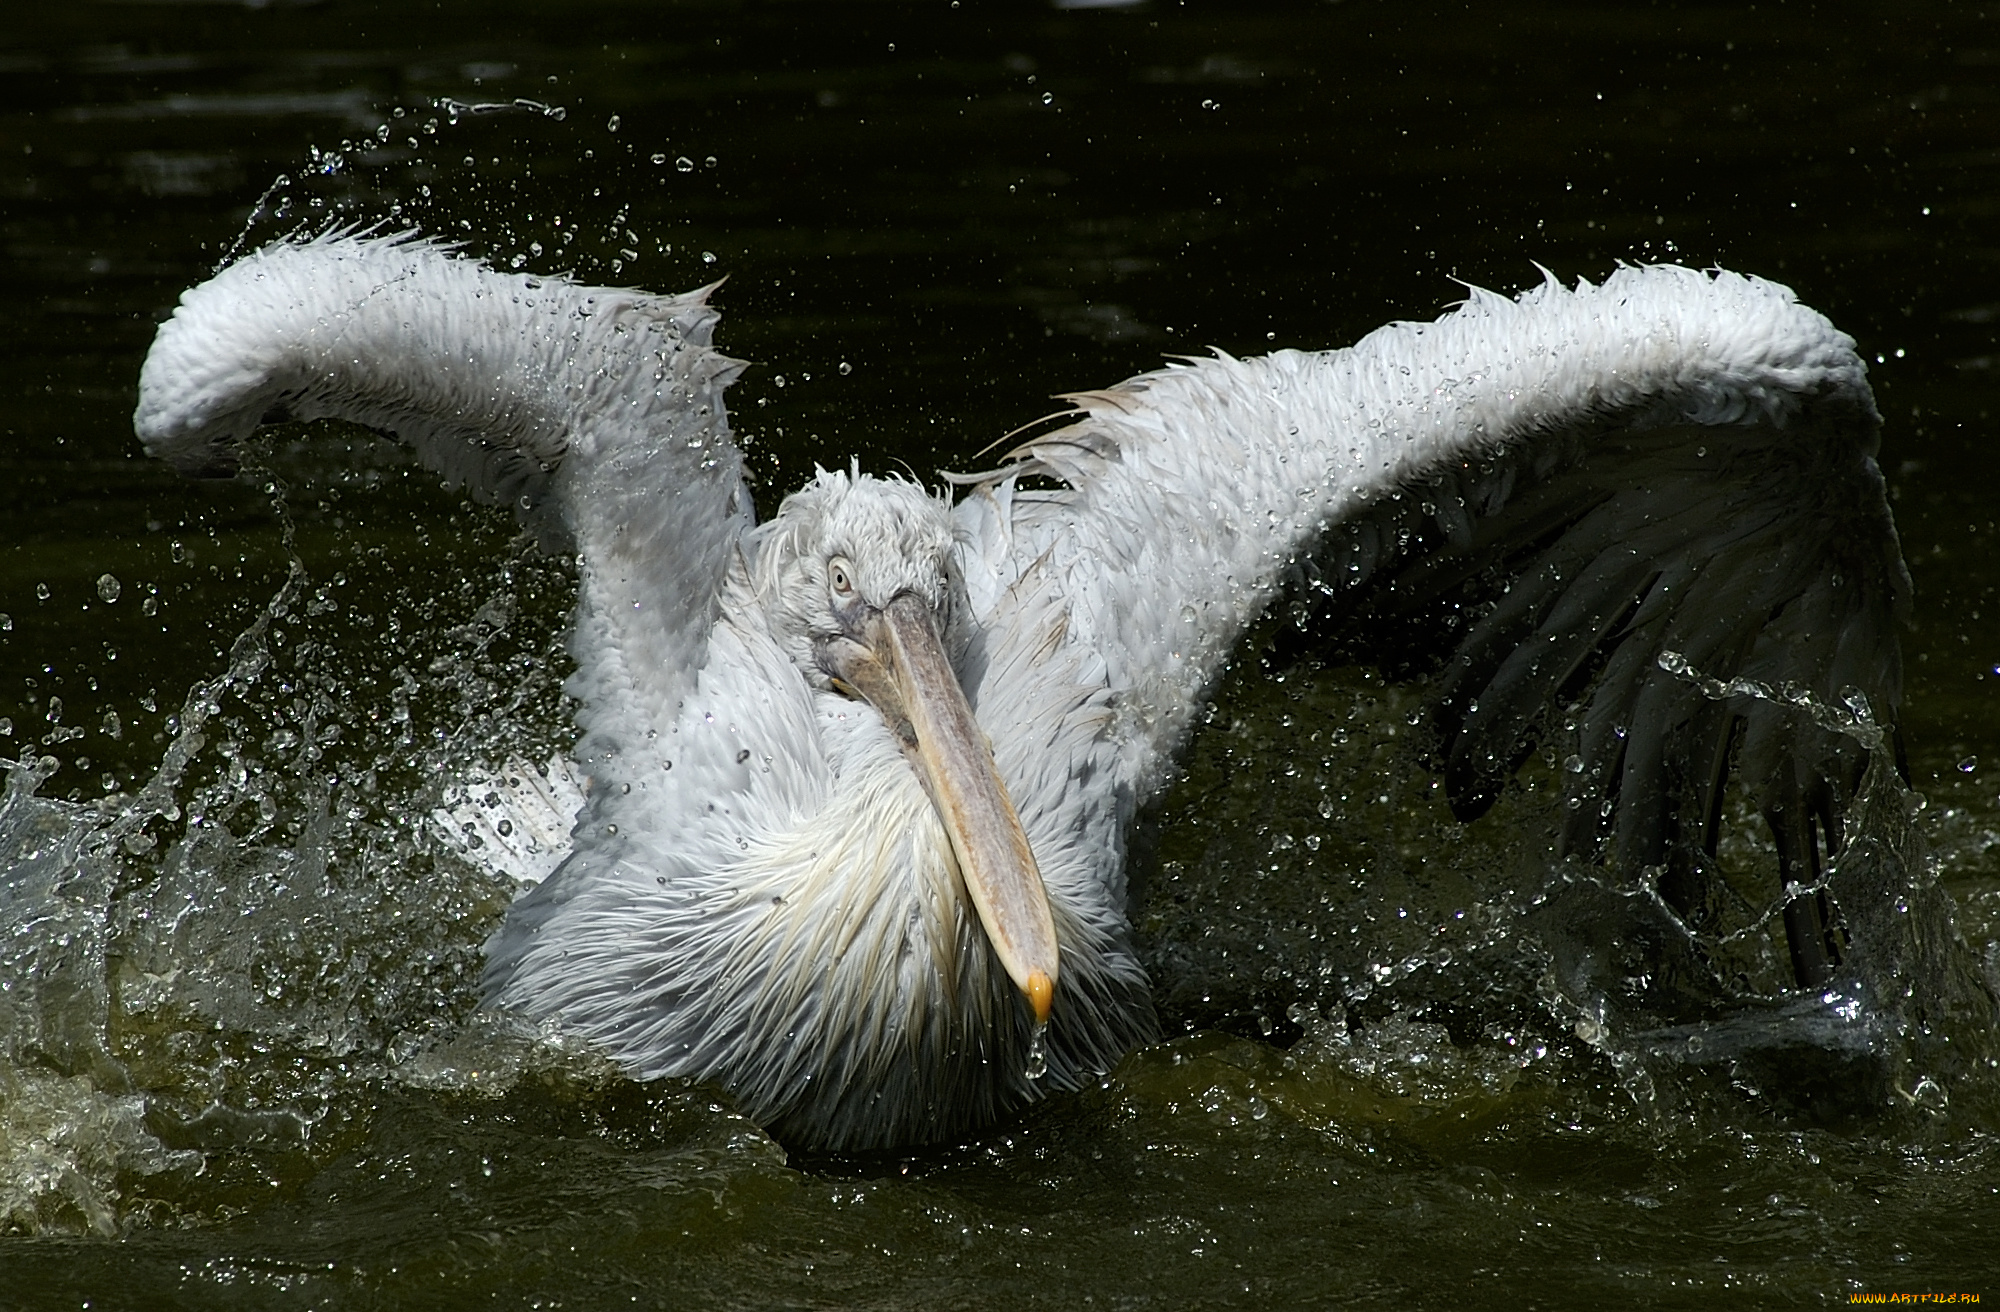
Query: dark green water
point(240, 1067)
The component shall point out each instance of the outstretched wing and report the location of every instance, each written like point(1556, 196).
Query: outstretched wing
point(1565, 501)
point(596, 412)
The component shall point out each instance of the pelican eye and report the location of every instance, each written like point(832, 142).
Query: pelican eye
point(840, 577)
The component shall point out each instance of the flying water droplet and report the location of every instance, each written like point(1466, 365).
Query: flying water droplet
point(108, 586)
point(1038, 1056)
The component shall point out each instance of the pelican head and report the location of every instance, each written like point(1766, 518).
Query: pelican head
point(858, 580)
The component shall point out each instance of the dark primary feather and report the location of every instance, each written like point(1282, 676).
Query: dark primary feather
point(1544, 596)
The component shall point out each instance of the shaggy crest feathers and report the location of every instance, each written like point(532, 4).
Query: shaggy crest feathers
point(895, 537)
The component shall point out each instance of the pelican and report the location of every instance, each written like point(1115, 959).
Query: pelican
point(859, 779)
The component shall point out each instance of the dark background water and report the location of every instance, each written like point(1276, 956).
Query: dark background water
point(933, 217)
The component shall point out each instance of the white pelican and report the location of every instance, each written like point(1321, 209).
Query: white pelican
point(860, 777)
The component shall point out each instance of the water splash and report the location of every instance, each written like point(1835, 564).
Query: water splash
point(1330, 875)
point(1038, 1056)
point(1852, 717)
point(467, 171)
point(1909, 1008)
point(273, 887)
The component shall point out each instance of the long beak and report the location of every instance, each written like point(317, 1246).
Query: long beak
point(899, 665)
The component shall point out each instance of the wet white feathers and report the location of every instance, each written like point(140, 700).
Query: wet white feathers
point(759, 892)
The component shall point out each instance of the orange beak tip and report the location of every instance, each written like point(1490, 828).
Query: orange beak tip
point(1041, 991)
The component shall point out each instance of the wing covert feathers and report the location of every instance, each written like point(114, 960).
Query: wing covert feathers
point(595, 412)
point(1546, 494)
